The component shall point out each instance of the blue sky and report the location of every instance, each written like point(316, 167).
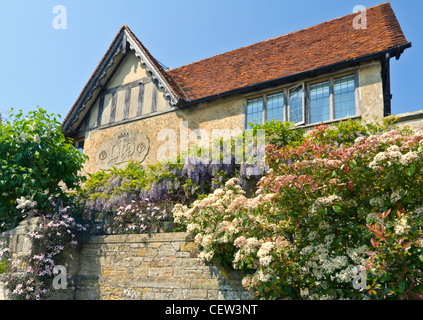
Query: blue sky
point(44, 66)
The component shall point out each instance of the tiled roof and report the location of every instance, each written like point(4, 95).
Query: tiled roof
point(312, 48)
point(321, 45)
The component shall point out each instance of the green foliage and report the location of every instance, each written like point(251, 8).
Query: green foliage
point(103, 188)
point(3, 266)
point(190, 176)
point(280, 133)
point(346, 132)
point(326, 207)
point(37, 164)
point(396, 256)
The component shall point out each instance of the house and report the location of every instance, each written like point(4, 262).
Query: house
point(329, 72)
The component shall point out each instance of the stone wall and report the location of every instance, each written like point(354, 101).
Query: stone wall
point(162, 266)
point(371, 91)
point(195, 124)
point(166, 132)
point(413, 120)
point(20, 246)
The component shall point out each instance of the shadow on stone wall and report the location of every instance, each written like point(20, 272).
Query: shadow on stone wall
point(161, 266)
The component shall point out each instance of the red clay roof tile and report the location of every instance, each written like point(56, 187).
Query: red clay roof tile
point(314, 47)
point(321, 45)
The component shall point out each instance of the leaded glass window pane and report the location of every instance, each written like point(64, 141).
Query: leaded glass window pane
point(275, 107)
point(255, 111)
point(296, 105)
point(320, 102)
point(344, 94)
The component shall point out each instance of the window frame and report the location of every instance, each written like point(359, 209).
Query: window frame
point(79, 145)
point(246, 108)
point(306, 119)
point(287, 102)
point(356, 95)
point(331, 100)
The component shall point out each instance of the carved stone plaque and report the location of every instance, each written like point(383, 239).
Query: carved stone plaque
point(122, 148)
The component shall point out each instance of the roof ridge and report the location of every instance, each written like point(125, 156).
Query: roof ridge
point(277, 37)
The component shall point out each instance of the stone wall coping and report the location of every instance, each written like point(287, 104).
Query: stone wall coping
point(143, 238)
point(24, 227)
point(415, 115)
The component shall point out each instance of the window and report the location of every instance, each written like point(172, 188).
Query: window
point(308, 103)
point(275, 107)
point(344, 94)
point(320, 102)
point(255, 111)
point(79, 145)
point(296, 105)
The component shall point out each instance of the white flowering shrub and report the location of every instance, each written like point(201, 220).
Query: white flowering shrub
point(333, 218)
point(37, 165)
